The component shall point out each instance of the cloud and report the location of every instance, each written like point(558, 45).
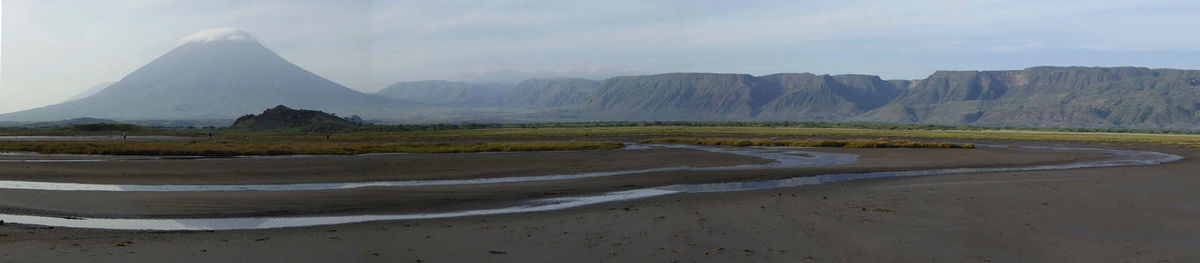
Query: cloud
point(218, 34)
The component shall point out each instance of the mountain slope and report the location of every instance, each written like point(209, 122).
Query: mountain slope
point(440, 92)
point(218, 74)
point(708, 96)
point(1123, 97)
point(91, 91)
point(811, 97)
point(679, 96)
point(533, 93)
point(550, 93)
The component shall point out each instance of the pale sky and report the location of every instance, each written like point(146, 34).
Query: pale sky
point(52, 49)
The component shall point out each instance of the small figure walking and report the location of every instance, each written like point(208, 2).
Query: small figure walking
point(124, 136)
point(210, 136)
point(326, 137)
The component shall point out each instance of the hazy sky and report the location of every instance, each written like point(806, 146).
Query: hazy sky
point(52, 49)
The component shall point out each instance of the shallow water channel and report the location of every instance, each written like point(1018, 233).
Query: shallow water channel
point(781, 157)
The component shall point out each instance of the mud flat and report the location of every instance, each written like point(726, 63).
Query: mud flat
point(424, 183)
point(1138, 213)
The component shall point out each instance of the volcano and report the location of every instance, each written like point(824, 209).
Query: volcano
point(212, 74)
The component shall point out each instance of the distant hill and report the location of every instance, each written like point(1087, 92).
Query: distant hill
point(95, 127)
point(709, 96)
point(823, 97)
point(1124, 97)
point(550, 93)
point(1121, 97)
point(1089, 97)
point(446, 93)
point(214, 74)
point(67, 123)
point(533, 93)
point(679, 96)
point(282, 118)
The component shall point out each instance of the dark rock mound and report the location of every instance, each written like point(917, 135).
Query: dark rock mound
point(284, 119)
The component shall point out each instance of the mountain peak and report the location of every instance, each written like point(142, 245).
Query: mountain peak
point(214, 74)
point(218, 34)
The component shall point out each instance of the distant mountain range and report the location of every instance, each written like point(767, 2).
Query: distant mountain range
point(1123, 97)
point(227, 73)
point(440, 92)
point(533, 94)
point(1092, 97)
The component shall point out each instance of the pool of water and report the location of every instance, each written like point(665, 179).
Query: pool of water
point(1120, 158)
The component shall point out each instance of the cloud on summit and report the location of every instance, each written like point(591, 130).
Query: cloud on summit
point(218, 34)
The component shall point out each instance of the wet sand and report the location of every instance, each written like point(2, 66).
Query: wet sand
point(1138, 214)
point(314, 169)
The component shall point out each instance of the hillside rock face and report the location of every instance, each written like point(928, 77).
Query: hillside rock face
point(704, 96)
point(1123, 97)
point(824, 98)
point(679, 96)
point(221, 75)
point(551, 93)
point(439, 92)
point(533, 93)
point(1052, 96)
